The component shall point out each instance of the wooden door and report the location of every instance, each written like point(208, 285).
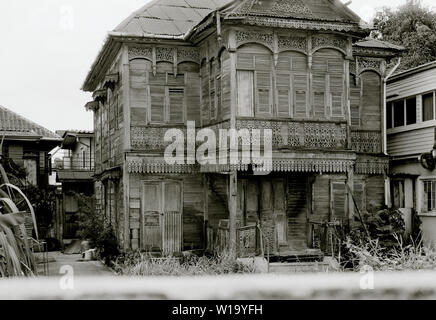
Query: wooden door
point(162, 216)
point(172, 218)
point(280, 212)
point(152, 216)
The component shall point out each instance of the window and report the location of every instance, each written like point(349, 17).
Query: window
point(401, 113)
point(429, 196)
point(411, 111)
point(167, 95)
point(427, 106)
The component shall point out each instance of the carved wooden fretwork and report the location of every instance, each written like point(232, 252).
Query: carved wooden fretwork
point(100, 95)
point(165, 54)
point(284, 7)
point(372, 166)
point(188, 54)
point(92, 106)
point(111, 80)
point(247, 242)
point(366, 141)
point(158, 166)
point(324, 41)
point(148, 138)
point(301, 135)
point(353, 67)
point(369, 64)
point(292, 43)
point(140, 52)
point(243, 37)
point(297, 24)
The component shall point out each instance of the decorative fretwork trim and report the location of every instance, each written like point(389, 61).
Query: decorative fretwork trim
point(372, 166)
point(368, 64)
point(292, 43)
point(243, 37)
point(140, 52)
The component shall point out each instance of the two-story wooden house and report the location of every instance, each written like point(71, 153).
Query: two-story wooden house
point(298, 68)
point(411, 123)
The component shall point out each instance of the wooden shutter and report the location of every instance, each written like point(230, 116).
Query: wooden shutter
point(359, 195)
point(339, 200)
point(157, 97)
point(355, 92)
point(371, 100)
point(280, 212)
point(172, 226)
point(151, 215)
point(300, 87)
point(138, 82)
point(176, 105)
point(337, 95)
point(284, 95)
point(245, 93)
point(319, 95)
point(263, 93)
point(205, 94)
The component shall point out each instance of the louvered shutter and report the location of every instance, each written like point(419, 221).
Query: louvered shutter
point(204, 94)
point(157, 97)
point(300, 87)
point(339, 200)
point(284, 95)
point(176, 105)
point(336, 95)
point(319, 95)
point(355, 93)
point(263, 93)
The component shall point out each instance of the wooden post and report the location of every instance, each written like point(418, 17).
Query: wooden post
point(233, 194)
point(350, 183)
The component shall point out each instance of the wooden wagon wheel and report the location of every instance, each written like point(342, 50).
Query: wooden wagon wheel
point(20, 201)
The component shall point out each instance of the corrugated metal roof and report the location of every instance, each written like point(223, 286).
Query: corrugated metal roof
point(374, 43)
point(168, 17)
point(14, 125)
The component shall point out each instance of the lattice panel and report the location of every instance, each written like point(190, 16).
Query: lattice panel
point(366, 141)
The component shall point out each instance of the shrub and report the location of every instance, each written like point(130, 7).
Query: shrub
point(397, 258)
point(142, 264)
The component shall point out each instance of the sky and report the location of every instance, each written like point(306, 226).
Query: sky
point(48, 46)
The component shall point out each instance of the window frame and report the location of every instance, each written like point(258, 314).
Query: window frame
point(390, 121)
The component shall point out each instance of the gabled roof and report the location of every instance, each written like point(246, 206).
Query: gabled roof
point(320, 10)
point(375, 43)
point(168, 17)
point(12, 125)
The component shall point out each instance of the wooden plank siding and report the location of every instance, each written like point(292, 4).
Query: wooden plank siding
point(412, 142)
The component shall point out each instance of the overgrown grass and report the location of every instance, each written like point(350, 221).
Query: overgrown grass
point(401, 257)
point(143, 264)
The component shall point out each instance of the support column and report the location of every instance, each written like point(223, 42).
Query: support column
point(350, 183)
point(233, 194)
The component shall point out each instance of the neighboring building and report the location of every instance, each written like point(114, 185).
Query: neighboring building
point(298, 68)
point(74, 170)
point(411, 127)
point(28, 145)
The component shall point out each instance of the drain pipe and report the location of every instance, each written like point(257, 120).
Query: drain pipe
point(385, 132)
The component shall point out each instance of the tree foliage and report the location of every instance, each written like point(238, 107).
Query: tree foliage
point(411, 25)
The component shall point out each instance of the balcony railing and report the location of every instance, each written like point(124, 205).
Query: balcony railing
point(366, 141)
point(78, 164)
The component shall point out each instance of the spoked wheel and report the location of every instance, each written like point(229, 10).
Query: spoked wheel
point(20, 203)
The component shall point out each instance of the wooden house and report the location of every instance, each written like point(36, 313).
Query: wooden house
point(28, 145)
point(300, 68)
point(411, 123)
point(74, 170)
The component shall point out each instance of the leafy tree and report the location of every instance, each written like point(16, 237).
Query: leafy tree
point(411, 25)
